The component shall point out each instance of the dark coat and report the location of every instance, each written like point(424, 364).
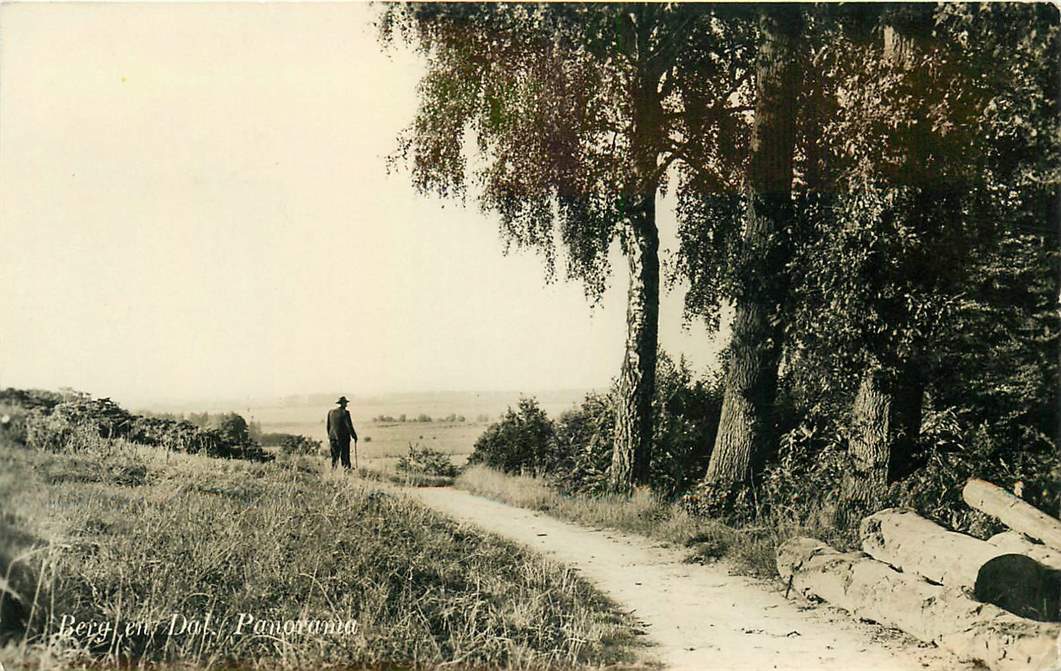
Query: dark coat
point(340, 426)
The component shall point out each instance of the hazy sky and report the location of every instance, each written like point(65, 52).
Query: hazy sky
point(194, 204)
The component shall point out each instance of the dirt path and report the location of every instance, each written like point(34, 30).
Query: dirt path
point(699, 617)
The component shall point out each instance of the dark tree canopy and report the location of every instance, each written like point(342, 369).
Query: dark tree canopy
point(931, 165)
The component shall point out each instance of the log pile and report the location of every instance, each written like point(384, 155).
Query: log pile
point(997, 602)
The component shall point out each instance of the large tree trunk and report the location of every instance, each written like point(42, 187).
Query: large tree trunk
point(885, 423)
point(914, 545)
point(1017, 543)
point(632, 452)
point(751, 371)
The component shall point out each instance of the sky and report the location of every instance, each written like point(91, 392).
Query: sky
point(194, 204)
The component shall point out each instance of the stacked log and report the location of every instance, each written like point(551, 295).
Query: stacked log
point(1017, 543)
point(913, 544)
point(946, 616)
point(1013, 512)
point(993, 575)
point(997, 602)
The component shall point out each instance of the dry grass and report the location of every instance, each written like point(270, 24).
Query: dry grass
point(404, 478)
point(751, 550)
point(126, 534)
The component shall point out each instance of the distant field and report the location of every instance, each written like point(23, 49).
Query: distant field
point(382, 442)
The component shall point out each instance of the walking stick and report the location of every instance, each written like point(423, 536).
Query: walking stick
point(355, 455)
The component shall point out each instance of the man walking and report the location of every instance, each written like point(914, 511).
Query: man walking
point(340, 432)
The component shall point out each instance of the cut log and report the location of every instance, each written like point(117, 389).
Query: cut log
point(1017, 543)
point(872, 590)
point(1014, 513)
point(1022, 586)
point(913, 544)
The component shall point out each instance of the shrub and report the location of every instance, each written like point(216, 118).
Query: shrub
point(53, 432)
point(575, 452)
point(427, 461)
point(29, 399)
point(13, 423)
point(520, 441)
point(954, 451)
point(582, 447)
point(294, 444)
point(70, 424)
point(687, 412)
point(275, 439)
point(108, 418)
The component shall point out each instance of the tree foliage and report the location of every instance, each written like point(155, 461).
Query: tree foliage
point(546, 91)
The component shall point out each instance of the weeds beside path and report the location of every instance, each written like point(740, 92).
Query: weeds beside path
point(700, 617)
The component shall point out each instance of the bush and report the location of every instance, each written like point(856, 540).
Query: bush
point(687, 411)
point(53, 432)
point(575, 452)
point(13, 423)
point(520, 441)
point(30, 399)
point(426, 461)
point(293, 444)
point(582, 447)
point(275, 439)
point(71, 423)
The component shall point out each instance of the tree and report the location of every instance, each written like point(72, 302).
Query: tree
point(755, 349)
point(929, 185)
point(578, 112)
point(886, 412)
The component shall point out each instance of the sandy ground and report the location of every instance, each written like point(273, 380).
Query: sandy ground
point(699, 617)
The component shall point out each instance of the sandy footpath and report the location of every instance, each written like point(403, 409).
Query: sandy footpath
point(697, 617)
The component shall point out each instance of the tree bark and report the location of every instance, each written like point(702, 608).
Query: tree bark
point(885, 423)
point(632, 452)
point(751, 371)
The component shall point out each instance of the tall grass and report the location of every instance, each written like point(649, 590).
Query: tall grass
point(134, 536)
point(751, 549)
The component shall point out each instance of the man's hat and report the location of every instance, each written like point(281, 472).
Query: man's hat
point(343, 399)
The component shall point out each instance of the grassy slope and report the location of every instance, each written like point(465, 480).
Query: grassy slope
point(133, 534)
point(752, 550)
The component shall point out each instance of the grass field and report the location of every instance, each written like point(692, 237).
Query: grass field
point(163, 557)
